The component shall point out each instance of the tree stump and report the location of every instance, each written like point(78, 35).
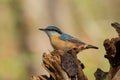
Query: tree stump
point(62, 65)
point(112, 48)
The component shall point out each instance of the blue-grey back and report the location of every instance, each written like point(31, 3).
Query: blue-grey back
point(67, 37)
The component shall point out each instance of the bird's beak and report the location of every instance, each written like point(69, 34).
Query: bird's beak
point(41, 29)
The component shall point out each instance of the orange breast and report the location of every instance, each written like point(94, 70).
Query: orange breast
point(61, 44)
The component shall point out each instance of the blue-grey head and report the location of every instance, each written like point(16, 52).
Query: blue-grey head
point(50, 30)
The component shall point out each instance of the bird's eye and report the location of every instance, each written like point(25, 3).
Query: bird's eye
point(54, 30)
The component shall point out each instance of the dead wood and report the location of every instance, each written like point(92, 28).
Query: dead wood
point(112, 48)
point(62, 65)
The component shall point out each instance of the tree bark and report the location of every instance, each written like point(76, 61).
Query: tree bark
point(62, 65)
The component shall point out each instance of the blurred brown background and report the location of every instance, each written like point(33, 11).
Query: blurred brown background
point(22, 44)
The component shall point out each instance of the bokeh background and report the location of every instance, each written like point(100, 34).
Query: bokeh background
point(22, 44)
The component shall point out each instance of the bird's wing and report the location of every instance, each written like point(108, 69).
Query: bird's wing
point(67, 37)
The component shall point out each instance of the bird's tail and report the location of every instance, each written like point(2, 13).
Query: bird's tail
point(87, 46)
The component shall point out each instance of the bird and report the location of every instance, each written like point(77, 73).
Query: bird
point(62, 41)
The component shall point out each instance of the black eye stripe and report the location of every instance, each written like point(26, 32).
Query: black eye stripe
point(51, 29)
point(54, 30)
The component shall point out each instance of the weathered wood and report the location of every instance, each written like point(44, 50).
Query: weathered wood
point(77, 66)
point(62, 65)
point(117, 27)
point(112, 48)
point(117, 76)
point(69, 64)
point(100, 75)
